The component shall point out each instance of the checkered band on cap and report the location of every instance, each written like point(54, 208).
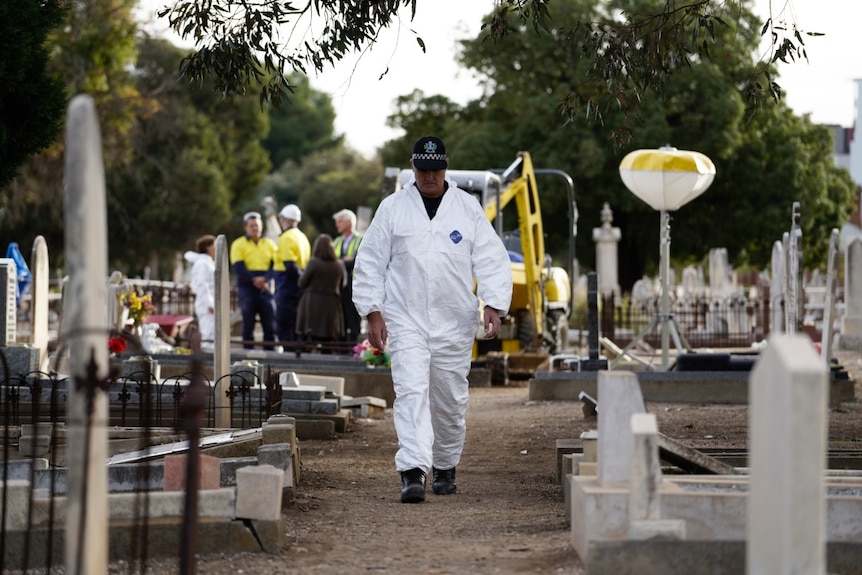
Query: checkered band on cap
point(435, 157)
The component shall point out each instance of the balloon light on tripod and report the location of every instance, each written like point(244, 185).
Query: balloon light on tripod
point(666, 179)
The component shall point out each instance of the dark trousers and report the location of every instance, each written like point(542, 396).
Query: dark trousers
point(352, 321)
point(285, 314)
point(255, 304)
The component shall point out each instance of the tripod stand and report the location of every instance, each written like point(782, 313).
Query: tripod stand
point(669, 327)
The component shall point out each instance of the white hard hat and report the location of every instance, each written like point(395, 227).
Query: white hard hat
point(291, 212)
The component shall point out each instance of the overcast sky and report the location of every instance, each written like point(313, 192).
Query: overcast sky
point(363, 91)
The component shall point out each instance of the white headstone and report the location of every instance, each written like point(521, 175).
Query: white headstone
point(692, 282)
point(719, 273)
point(788, 393)
point(8, 293)
point(39, 309)
point(851, 324)
point(777, 281)
point(829, 301)
point(117, 314)
point(619, 394)
point(645, 469)
point(221, 351)
point(84, 328)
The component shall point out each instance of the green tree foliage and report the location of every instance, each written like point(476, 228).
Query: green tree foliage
point(332, 180)
point(634, 47)
point(194, 162)
point(92, 53)
point(764, 161)
point(32, 101)
point(303, 127)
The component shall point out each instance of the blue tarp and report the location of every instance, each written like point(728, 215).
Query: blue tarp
point(24, 277)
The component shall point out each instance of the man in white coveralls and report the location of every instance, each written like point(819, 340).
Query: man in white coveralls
point(413, 281)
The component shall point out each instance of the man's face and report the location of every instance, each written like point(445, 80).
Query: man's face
point(342, 224)
point(429, 182)
point(253, 228)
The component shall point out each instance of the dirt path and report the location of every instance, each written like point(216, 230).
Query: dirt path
point(508, 514)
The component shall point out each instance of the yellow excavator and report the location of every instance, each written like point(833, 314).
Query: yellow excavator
point(538, 317)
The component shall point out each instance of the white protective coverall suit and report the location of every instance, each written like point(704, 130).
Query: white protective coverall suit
point(418, 272)
point(203, 286)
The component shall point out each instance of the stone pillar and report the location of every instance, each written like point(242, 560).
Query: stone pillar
point(84, 327)
point(851, 323)
point(39, 308)
point(788, 392)
point(221, 352)
point(607, 239)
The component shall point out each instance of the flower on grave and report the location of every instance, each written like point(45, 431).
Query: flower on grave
point(140, 307)
point(371, 355)
point(116, 344)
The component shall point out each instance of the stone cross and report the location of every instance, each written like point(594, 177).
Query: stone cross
point(39, 300)
point(788, 391)
point(221, 353)
point(86, 539)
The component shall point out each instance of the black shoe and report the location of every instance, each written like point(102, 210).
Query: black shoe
point(413, 486)
point(444, 481)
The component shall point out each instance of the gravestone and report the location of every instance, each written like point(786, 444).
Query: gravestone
point(719, 273)
point(777, 281)
point(620, 396)
point(692, 281)
point(607, 239)
point(21, 358)
point(645, 482)
point(829, 301)
point(851, 323)
point(86, 535)
point(117, 312)
point(39, 308)
point(8, 293)
point(789, 395)
point(221, 350)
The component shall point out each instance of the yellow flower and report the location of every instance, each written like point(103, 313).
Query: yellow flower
point(140, 307)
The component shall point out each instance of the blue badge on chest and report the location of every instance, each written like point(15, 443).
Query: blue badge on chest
point(455, 236)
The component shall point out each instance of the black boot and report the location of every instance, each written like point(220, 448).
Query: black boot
point(413, 486)
point(444, 481)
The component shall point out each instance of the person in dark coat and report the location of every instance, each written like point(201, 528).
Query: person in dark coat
point(320, 317)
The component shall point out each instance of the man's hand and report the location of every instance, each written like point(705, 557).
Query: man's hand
point(491, 322)
point(259, 282)
point(377, 330)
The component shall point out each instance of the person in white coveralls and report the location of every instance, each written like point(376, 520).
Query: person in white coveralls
point(414, 282)
point(203, 286)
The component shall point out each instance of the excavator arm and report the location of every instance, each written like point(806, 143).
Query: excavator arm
point(519, 181)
